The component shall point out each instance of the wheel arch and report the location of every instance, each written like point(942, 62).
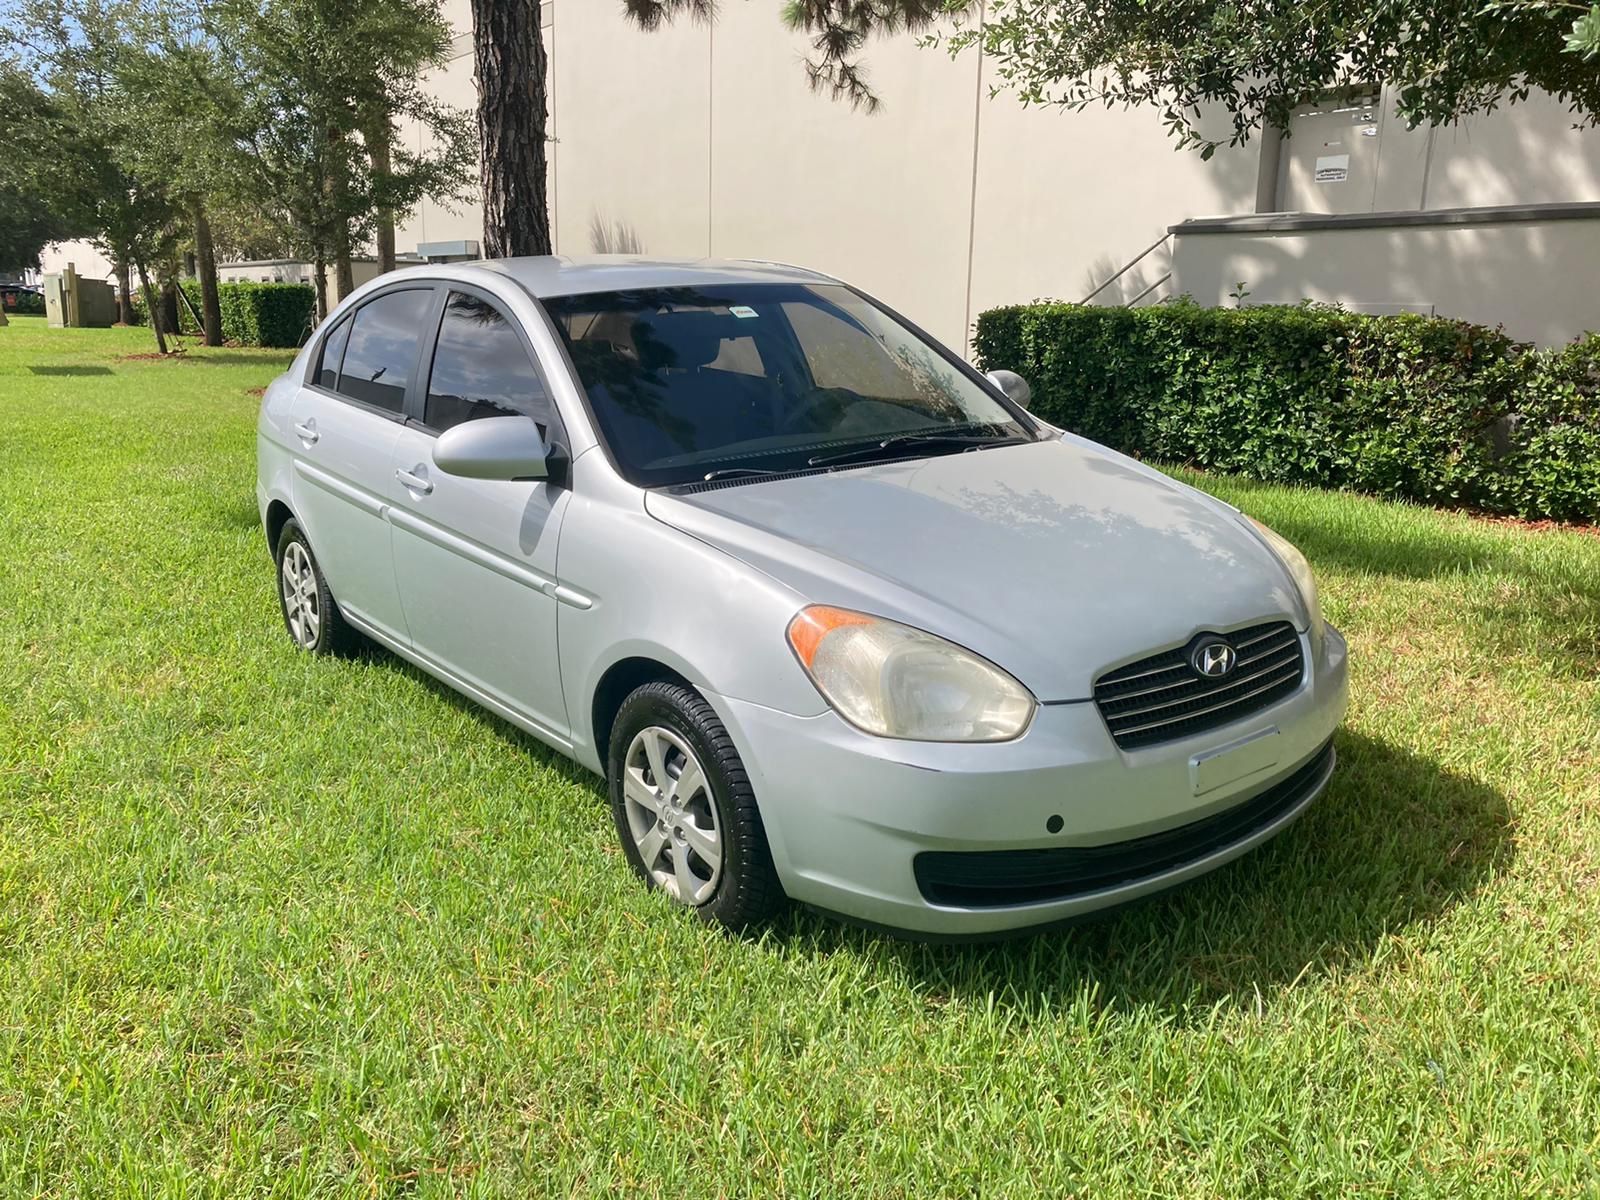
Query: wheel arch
point(278, 515)
point(616, 683)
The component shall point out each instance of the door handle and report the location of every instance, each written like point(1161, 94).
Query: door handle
point(415, 482)
point(307, 431)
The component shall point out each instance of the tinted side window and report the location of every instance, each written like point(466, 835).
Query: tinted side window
point(383, 349)
point(481, 369)
point(333, 355)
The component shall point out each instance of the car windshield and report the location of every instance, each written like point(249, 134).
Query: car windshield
point(690, 383)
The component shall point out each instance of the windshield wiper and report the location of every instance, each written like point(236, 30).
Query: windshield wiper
point(737, 473)
point(889, 446)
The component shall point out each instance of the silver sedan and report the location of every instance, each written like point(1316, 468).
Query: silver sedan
point(836, 618)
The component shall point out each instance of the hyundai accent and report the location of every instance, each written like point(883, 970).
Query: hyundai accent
point(833, 615)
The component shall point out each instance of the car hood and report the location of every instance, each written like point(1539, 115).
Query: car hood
point(1056, 560)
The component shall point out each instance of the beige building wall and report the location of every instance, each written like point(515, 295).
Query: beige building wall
point(696, 140)
point(85, 257)
point(1526, 153)
point(1537, 278)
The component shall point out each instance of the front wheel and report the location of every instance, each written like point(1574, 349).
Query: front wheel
point(685, 810)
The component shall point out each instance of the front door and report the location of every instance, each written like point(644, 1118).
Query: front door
point(346, 421)
point(475, 560)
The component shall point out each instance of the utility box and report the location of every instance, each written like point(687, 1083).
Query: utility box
point(73, 302)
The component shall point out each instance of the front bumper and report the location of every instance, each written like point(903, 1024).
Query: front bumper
point(848, 814)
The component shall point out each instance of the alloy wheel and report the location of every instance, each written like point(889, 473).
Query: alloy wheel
point(301, 609)
point(671, 816)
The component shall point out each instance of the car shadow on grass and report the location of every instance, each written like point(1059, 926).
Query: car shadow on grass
point(1396, 842)
point(545, 756)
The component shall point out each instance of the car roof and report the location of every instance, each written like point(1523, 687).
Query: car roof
point(562, 275)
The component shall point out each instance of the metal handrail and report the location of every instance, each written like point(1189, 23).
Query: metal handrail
point(1148, 290)
point(1143, 254)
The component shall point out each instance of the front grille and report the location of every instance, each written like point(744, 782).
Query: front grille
point(1163, 697)
point(996, 878)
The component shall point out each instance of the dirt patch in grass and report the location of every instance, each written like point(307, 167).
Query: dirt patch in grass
point(1540, 526)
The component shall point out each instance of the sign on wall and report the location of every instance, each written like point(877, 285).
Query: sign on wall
point(1332, 168)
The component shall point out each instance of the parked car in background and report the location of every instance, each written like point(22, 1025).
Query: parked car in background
point(834, 616)
point(15, 296)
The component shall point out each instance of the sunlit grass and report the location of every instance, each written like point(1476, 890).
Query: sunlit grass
point(270, 924)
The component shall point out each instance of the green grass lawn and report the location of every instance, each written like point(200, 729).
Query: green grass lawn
point(277, 925)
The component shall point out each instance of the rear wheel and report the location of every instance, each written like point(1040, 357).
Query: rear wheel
point(310, 613)
point(685, 810)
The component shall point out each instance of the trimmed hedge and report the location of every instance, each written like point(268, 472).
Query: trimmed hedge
point(1418, 408)
point(253, 314)
point(266, 314)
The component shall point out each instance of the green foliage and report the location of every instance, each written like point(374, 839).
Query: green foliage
point(253, 314)
point(1418, 408)
point(24, 304)
point(317, 89)
point(1584, 37)
point(41, 200)
point(1258, 59)
point(266, 314)
point(1555, 468)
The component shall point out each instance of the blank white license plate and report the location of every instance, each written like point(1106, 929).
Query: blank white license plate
point(1235, 761)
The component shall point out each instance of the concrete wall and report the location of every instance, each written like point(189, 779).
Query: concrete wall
point(708, 141)
point(1526, 153)
point(696, 141)
point(85, 258)
point(1537, 278)
point(275, 271)
point(432, 221)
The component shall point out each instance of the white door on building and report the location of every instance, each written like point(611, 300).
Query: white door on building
point(1330, 159)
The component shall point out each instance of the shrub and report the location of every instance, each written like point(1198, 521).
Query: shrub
point(253, 314)
point(1553, 468)
point(24, 304)
point(1411, 407)
point(266, 314)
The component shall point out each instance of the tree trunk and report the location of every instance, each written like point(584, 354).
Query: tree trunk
point(378, 135)
point(320, 265)
point(509, 67)
point(336, 188)
point(124, 289)
point(151, 306)
point(206, 257)
point(169, 302)
point(344, 273)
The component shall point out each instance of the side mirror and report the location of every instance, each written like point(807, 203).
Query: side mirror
point(1014, 386)
point(493, 448)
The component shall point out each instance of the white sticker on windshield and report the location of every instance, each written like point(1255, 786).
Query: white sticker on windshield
point(742, 310)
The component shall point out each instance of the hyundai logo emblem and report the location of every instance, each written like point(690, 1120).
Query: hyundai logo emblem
point(1213, 659)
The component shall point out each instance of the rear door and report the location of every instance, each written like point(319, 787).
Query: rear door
point(346, 420)
point(476, 559)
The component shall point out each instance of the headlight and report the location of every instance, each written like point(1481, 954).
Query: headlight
point(1300, 570)
point(894, 681)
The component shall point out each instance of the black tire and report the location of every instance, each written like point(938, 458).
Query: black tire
point(333, 634)
point(747, 890)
